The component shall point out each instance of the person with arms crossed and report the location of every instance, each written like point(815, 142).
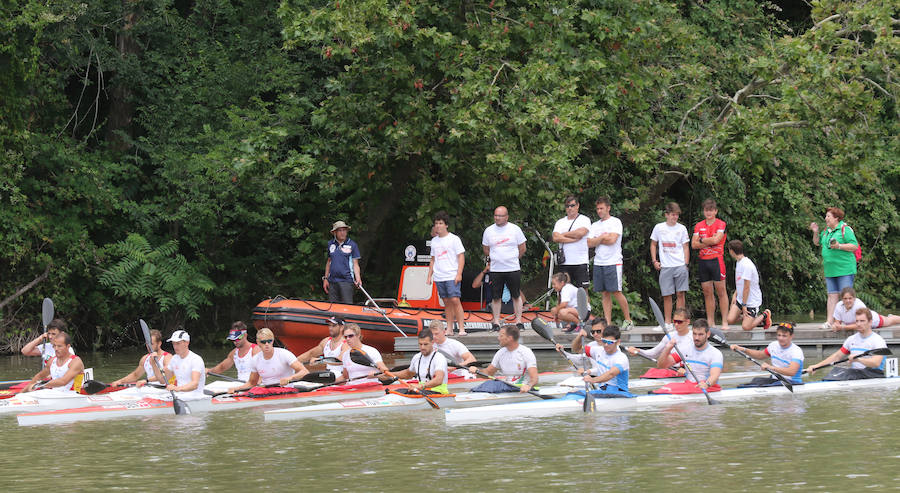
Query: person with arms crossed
point(342, 272)
point(515, 361)
point(571, 234)
point(863, 340)
point(242, 354)
point(671, 240)
point(709, 238)
point(839, 246)
point(747, 299)
point(446, 267)
point(62, 368)
point(605, 238)
point(504, 243)
point(787, 358)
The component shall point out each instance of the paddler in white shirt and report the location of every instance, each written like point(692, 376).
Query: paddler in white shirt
point(865, 339)
point(241, 355)
point(428, 366)
point(145, 366)
point(787, 357)
point(62, 368)
point(186, 367)
point(42, 345)
point(272, 365)
point(457, 351)
point(354, 371)
point(513, 360)
point(704, 360)
point(332, 346)
point(682, 335)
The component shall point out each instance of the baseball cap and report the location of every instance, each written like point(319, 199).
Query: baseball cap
point(235, 334)
point(335, 321)
point(179, 335)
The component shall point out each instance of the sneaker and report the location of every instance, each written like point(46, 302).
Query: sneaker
point(670, 327)
point(495, 327)
point(767, 322)
point(627, 325)
point(569, 328)
point(658, 328)
point(826, 326)
point(521, 327)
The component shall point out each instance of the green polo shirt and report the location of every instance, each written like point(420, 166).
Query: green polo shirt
point(838, 262)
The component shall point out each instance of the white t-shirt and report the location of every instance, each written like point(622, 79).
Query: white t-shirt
point(856, 344)
point(848, 316)
point(569, 294)
point(514, 364)
point(604, 361)
point(783, 357)
point(745, 270)
point(683, 342)
point(702, 361)
point(576, 252)
point(183, 368)
point(355, 370)
point(607, 254)
point(454, 348)
point(504, 246)
point(272, 370)
point(426, 367)
point(445, 252)
point(670, 242)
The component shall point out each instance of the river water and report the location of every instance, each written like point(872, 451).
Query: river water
point(825, 442)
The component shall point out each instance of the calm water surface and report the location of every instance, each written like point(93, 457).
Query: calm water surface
point(828, 442)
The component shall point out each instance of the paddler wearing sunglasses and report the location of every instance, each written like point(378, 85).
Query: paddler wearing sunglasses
point(241, 355)
point(272, 365)
point(355, 371)
point(610, 365)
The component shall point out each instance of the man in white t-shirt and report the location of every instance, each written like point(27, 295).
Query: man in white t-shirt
point(272, 365)
point(353, 371)
point(504, 243)
point(571, 234)
point(428, 366)
point(747, 299)
point(515, 361)
point(865, 339)
point(445, 268)
point(605, 237)
point(186, 366)
point(457, 352)
point(787, 357)
point(670, 251)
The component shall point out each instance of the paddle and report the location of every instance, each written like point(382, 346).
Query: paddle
point(380, 310)
point(91, 387)
point(662, 323)
point(180, 407)
point(451, 361)
point(361, 358)
point(882, 351)
point(544, 331)
point(328, 360)
point(584, 310)
point(47, 312)
point(719, 338)
point(324, 377)
point(224, 377)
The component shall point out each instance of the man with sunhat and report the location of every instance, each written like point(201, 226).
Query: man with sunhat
point(342, 266)
point(186, 366)
point(332, 346)
point(241, 356)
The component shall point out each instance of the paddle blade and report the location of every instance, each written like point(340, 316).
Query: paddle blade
point(584, 306)
point(542, 329)
point(91, 387)
point(181, 407)
point(658, 314)
point(360, 358)
point(717, 336)
point(318, 377)
point(47, 312)
point(882, 351)
point(146, 330)
point(330, 360)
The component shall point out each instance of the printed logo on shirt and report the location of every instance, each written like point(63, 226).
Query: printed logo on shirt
point(346, 249)
point(331, 248)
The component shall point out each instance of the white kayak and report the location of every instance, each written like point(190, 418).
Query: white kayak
point(395, 402)
point(113, 408)
point(574, 402)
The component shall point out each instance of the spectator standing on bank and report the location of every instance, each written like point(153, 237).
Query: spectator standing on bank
point(670, 252)
point(504, 243)
point(709, 239)
point(605, 237)
point(839, 247)
point(446, 267)
point(571, 234)
point(342, 267)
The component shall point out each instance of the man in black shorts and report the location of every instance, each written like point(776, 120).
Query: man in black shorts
point(571, 234)
point(709, 238)
point(504, 243)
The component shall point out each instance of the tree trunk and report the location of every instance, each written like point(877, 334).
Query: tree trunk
point(121, 110)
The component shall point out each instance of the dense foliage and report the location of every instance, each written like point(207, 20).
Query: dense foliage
point(181, 160)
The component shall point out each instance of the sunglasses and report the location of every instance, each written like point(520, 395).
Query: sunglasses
point(679, 321)
point(607, 341)
point(349, 336)
point(570, 205)
point(597, 331)
point(266, 341)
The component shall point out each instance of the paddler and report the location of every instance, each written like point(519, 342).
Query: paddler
point(241, 355)
point(428, 366)
point(62, 368)
point(272, 365)
point(513, 360)
point(704, 360)
point(354, 371)
point(863, 340)
point(681, 318)
point(457, 351)
point(145, 366)
point(185, 366)
point(787, 357)
point(610, 366)
point(332, 346)
point(42, 345)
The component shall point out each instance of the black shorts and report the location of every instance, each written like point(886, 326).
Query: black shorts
point(512, 280)
point(579, 275)
point(711, 269)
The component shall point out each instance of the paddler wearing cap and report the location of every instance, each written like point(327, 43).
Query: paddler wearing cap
point(145, 366)
point(332, 346)
point(342, 266)
point(241, 355)
point(186, 366)
point(273, 365)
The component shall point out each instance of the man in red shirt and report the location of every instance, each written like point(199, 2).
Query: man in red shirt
point(709, 239)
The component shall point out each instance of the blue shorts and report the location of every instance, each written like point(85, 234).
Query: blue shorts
point(835, 284)
point(607, 278)
point(448, 289)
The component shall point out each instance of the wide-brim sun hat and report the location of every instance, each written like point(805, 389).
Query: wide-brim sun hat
point(338, 225)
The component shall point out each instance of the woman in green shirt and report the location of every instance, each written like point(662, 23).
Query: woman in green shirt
point(839, 244)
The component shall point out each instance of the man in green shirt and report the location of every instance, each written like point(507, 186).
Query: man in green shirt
point(839, 245)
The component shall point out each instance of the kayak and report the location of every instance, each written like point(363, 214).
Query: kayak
point(573, 402)
point(146, 406)
point(396, 402)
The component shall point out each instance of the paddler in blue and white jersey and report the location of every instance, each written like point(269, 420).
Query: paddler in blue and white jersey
point(428, 366)
point(242, 354)
point(787, 358)
point(863, 340)
point(355, 371)
point(704, 360)
point(515, 361)
point(62, 368)
point(332, 346)
point(610, 365)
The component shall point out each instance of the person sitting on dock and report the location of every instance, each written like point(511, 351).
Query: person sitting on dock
point(332, 346)
point(62, 368)
point(42, 345)
point(241, 355)
point(457, 351)
point(513, 360)
point(704, 361)
point(145, 366)
point(610, 365)
point(428, 366)
point(185, 366)
point(565, 310)
point(746, 303)
point(863, 340)
point(272, 366)
point(682, 335)
point(359, 374)
point(845, 313)
point(787, 357)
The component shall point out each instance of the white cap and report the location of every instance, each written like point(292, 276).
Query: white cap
point(179, 335)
